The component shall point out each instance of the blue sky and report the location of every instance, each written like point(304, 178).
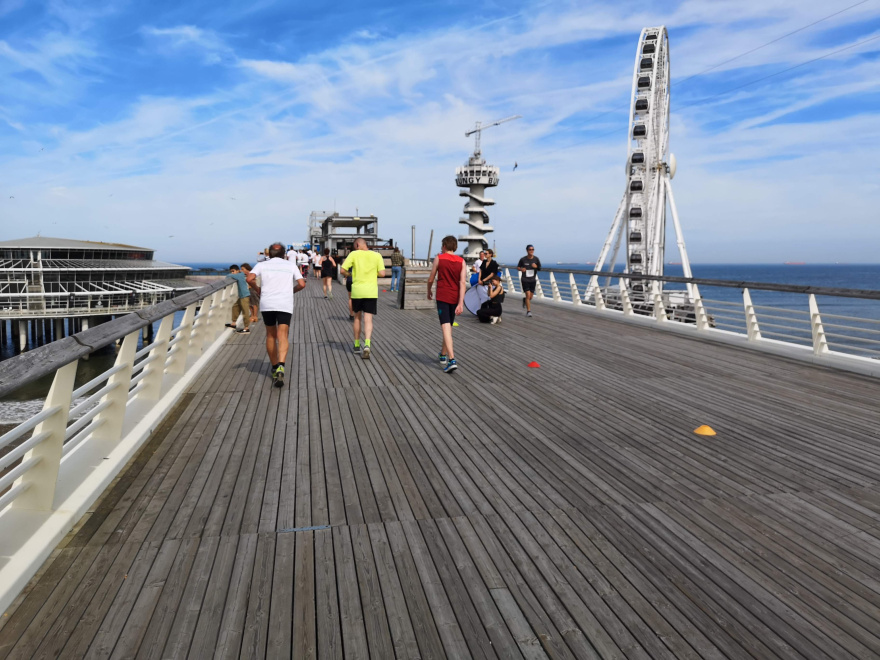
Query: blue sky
point(206, 130)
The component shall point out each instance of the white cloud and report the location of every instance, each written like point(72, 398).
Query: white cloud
point(180, 37)
point(377, 123)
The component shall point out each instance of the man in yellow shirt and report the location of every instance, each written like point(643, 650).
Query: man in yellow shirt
point(366, 268)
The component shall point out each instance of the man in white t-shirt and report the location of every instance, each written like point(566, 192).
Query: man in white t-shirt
point(291, 255)
point(316, 263)
point(280, 279)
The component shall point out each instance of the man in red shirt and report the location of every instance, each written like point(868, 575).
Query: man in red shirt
point(450, 271)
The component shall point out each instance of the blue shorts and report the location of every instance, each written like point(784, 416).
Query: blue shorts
point(446, 311)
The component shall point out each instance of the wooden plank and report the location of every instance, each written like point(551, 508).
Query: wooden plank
point(256, 627)
point(354, 635)
point(305, 643)
point(329, 634)
point(235, 605)
point(375, 616)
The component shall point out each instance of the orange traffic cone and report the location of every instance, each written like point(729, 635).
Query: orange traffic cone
point(704, 430)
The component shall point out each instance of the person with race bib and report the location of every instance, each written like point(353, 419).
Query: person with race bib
point(529, 266)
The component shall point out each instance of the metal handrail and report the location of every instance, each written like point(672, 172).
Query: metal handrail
point(869, 294)
point(33, 365)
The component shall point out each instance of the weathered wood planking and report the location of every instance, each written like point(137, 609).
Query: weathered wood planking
point(382, 508)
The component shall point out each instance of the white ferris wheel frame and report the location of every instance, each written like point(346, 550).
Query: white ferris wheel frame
point(655, 173)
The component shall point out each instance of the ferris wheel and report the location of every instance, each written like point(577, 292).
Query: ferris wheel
point(640, 222)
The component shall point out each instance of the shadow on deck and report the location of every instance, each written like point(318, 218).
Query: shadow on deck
point(384, 509)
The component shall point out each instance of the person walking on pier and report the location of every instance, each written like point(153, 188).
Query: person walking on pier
point(366, 267)
point(529, 266)
point(450, 271)
point(243, 304)
point(280, 280)
point(327, 266)
point(254, 296)
point(397, 262)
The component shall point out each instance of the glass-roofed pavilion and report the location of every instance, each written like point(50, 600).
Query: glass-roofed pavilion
point(44, 278)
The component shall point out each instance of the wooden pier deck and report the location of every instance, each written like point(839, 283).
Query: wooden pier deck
point(385, 509)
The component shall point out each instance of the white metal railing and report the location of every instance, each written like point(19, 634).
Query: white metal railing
point(62, 458)
point(845, 341)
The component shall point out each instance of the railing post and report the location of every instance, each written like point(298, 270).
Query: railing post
point(199, 329)
point(43, 477)
point(554, 288)
point(177, 363)
point(752, 328)
point(215, 315)
point(624, 298)
point(509, 280)
point(108, 423)
point(598, 298)
point(699, 309)
point(820, 341)
point(151, 386)
point(539, 292)
point(575, 294)
point(659, 305)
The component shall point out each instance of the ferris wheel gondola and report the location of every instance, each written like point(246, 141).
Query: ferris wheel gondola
point(639, 225)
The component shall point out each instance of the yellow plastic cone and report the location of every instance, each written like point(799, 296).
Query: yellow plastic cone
point(455, 324)
point(704, 430)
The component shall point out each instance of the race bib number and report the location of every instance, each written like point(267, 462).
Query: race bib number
point(530, 272)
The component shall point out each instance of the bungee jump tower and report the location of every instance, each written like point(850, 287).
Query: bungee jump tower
point(474, 178)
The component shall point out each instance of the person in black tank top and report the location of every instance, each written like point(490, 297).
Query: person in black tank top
point(328, 270)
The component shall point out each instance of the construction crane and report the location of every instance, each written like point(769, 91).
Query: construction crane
point(479, 128)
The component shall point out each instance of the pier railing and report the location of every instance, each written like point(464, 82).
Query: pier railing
point(747, 313)
point(54, 465)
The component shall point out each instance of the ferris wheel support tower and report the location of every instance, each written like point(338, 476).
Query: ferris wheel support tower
point(476, 176)
point(640, 222)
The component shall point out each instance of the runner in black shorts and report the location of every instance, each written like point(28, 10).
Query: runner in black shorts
point(368, 305)
point(529, 266)
point(276, 318)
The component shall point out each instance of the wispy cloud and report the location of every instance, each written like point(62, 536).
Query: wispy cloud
point(188, 37)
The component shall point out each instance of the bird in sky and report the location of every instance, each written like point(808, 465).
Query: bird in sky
point(12, 197)
point(42, 148)
point(172, 236)
point(515, 165)
point(232, 198)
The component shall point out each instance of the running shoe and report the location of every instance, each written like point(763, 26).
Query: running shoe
point(366, 353)
point(278, 376)
point(244, 331)
point(529, 314)
point(451, 366)
point(330, 295)
point(356, 348)
point(230, 325)
point(443, 359)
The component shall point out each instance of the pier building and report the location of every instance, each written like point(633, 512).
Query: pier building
point(51, 287)
point(380, 509)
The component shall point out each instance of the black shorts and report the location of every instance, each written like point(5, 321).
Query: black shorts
point(276, 318)
point(367, 305)
point(529, 286)
point(446, 312)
